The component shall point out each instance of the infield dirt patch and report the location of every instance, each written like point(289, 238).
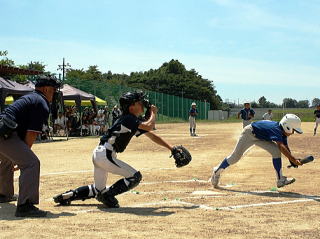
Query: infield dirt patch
point(178, 203)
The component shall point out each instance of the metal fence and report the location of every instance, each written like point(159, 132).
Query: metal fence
point(169, 107)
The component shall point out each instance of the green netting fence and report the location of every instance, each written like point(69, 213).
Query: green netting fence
point(169, 107)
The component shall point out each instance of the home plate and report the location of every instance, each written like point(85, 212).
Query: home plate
point(205, 193)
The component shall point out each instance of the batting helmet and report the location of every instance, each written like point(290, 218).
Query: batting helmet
point(290, 123)
point(130, 98)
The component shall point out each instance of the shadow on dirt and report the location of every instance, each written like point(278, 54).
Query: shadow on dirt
point(7, 211)
point(139, 211)
point(147, 211)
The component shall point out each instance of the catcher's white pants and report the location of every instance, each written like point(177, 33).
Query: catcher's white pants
point(104, 165)
point(192, 121)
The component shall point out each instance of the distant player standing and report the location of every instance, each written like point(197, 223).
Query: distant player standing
point(317, 119)
point(272, 137)
point(268, 115)
point(193, 112)
point(246, 114)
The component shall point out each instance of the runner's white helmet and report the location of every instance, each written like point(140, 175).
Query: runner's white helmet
point(290, 123)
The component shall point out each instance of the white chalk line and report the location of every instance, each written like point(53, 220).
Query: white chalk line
point(90, 171)
point(202, 206)
point(310, 198)
point(265, 204)
point(206, 207)
point(176, 181)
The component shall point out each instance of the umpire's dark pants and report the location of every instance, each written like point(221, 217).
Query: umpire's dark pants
point(15, 151)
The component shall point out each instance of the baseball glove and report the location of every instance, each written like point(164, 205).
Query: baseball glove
point(181, 156)
point(305, 160)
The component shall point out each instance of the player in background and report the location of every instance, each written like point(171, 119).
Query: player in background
point(268, 115)
point(105, 158)
point(247, 114)
point(317, 119)
point(272, 137)
point(193, 112)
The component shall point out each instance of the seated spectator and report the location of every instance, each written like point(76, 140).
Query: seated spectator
point(116, 113)
point(59, 123)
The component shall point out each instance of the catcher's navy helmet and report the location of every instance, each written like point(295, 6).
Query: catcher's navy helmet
point(130, 98)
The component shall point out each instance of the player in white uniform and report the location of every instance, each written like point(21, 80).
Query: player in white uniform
point(193, 112)
point(317, 119)
point(105, 158)
point(268, 115)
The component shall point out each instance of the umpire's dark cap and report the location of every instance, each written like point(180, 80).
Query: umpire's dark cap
point(47, 81)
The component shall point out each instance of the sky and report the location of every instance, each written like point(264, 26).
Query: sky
point(247, 48)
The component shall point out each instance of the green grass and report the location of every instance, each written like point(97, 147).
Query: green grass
point(306, 115)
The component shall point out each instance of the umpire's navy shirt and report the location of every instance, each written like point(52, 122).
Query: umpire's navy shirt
point(245, 113)
point(30, 112)
point(269, 131)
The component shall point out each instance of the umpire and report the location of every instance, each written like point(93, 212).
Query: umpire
point(20, 124)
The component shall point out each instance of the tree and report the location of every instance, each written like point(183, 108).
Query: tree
point(303, 104)
point(315, 102)
point(289, 103)
point(254, 104)
point(5, 61)
point(171, 78)
point(38, 66)
point(263, 102)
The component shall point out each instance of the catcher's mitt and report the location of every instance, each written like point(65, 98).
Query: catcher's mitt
point(305, 160)
point(181, 156)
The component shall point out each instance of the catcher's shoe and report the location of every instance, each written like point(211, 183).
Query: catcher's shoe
point(215, 178)
point(108, 200)
point(283, 181)
point(64, 198)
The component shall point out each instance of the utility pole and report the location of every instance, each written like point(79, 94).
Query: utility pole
point(64, 67)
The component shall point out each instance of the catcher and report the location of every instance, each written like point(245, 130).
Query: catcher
point(115, 141)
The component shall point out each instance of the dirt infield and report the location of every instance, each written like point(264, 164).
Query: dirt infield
point(178, 203)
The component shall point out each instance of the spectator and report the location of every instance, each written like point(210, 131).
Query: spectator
point(116, 113)
point(60, 122)
point(268, 115)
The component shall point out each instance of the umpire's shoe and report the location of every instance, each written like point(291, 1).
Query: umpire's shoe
point(108, 200)
point(4, 199)
point(29, 210)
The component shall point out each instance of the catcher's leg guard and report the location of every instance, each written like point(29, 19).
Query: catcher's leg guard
point(81, 193)
point(108, 200)
point(125, 184)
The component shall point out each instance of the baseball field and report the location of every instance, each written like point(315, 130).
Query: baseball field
point(177, 202)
